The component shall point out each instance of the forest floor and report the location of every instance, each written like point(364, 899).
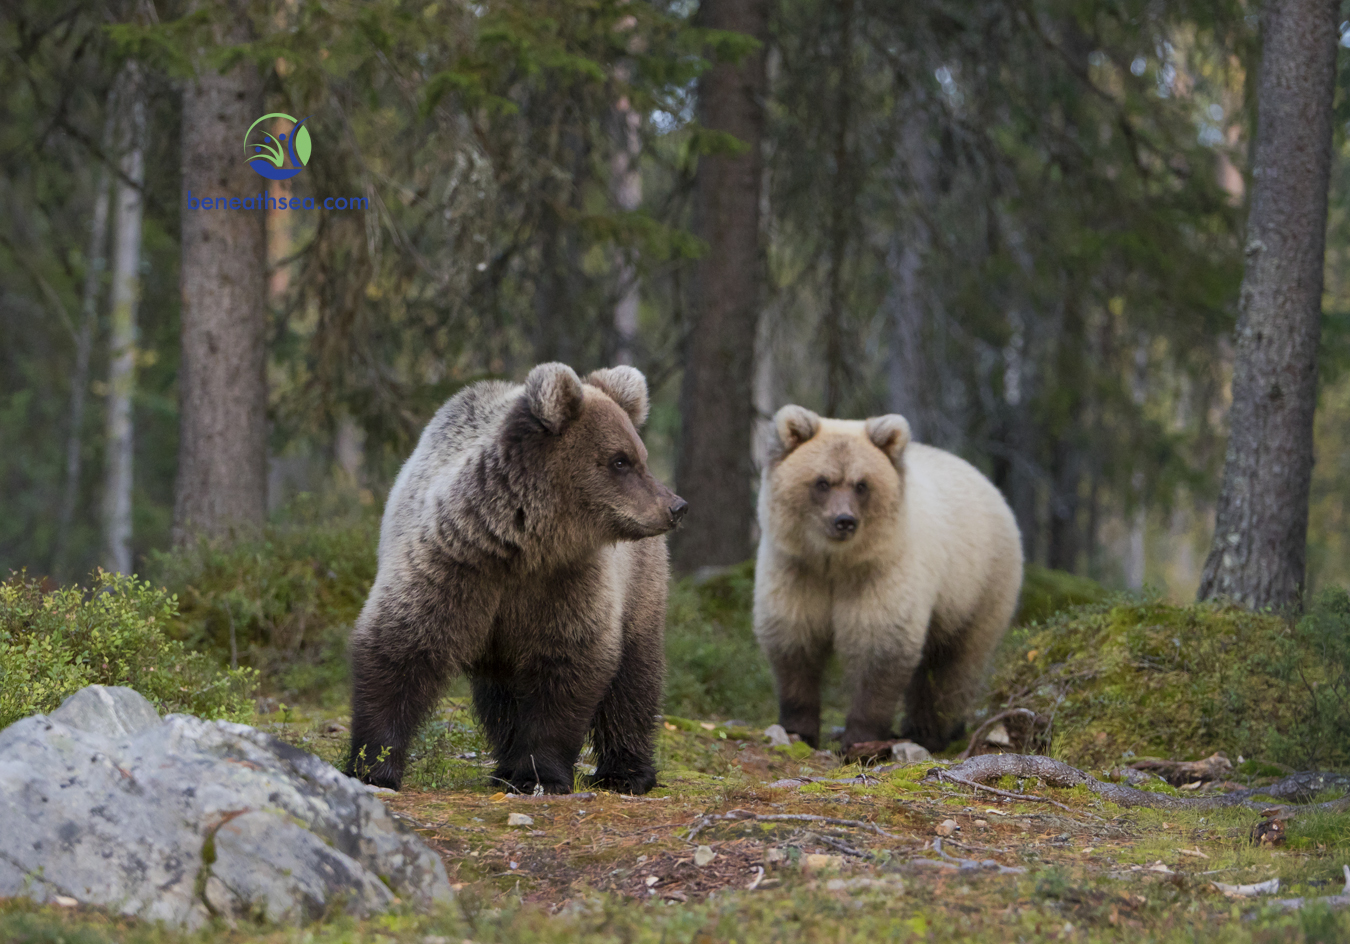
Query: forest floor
point(723, 850)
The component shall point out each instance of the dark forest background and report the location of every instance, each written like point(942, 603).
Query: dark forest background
point(1021, 224)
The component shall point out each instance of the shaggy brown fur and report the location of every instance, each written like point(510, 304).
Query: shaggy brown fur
point(522, 545)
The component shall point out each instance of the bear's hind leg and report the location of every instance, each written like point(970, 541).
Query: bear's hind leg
point(536, 729)
point(879, 681)
point(947, 681)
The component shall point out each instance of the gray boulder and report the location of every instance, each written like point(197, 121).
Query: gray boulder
point(182, 819)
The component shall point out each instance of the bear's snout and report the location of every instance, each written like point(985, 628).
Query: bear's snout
point(677, 510)
point(843, 527)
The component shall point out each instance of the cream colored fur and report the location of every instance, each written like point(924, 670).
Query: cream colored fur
point(914, 602)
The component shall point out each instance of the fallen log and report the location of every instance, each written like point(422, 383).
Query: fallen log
point(986, 767)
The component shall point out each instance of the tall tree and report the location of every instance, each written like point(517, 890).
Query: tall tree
point(222, 448)
point(1258, 553)
point(95, 262)
point(117, 485)
point(713, 472)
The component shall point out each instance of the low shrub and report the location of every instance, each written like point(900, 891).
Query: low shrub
point(283, 602)
point(1147, 678)
point(54, 643)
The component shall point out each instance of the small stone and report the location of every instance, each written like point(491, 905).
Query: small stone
point(64, 901)
point(650, 880)
point(775, 855)
point(981, 822)
point(947, 827)
point(817, 862)
point(777, 735)
point(519, 819)
point(998, 735)
point(907, 752)
point(703, 855)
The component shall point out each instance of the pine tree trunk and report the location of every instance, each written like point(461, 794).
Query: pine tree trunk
point(714, 470)
point(1257, 557)
point(222, 453)
point(905, 304)
point(95, 264)
point(625, 183)
point(122, 341)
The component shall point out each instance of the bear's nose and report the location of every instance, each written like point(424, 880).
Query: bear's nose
point(678, 509)
point(844, 525)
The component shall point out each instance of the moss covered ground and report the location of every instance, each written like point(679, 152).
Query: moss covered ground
point(1117, 676)
point(608, 868)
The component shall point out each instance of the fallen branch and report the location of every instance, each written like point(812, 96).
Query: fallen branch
point(949, 776)
point(735, 815)
point(1290, 904)
point(949, 861)
point(1058, 774)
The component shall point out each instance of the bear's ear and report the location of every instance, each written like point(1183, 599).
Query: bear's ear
point(554, 394)
point(889, 433)
point(794, 425)
point(625, 386)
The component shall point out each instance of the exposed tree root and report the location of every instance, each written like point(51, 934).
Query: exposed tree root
point(993, 766)
point(949, 861)
point(1330, 901)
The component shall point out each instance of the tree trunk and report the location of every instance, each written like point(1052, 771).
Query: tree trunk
point(714, 470)
point(222, 455)
point(95, 264)
point(906, 311)
point(1260, 534)
point(625, 182)
point(122, 341)
point(843, 221)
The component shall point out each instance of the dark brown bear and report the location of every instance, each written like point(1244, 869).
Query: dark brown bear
point(523, 545)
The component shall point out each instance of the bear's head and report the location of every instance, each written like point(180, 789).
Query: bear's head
point(591, 455)
point(834, 486)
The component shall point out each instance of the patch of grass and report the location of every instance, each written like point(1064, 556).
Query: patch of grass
point(54, 643)
point(1146, 678)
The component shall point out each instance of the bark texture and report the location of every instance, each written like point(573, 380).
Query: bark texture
point(714, 471)
point(1257, 557)
point(126, 289)
point(222, 457)
point(96, 263)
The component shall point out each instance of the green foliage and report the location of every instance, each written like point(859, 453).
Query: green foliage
point(52, 644)
point(290, 597)
point(1184, 681)
point(714, 667)
point(1046, 592)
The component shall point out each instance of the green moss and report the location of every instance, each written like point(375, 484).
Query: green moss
point(1046, 592)
point(1147, 678)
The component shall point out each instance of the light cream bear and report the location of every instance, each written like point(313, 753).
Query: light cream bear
point(902, 558)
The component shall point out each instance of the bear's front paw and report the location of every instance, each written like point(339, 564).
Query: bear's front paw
point(634, 782)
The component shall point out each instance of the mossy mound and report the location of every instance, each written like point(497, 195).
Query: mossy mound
point(1046, 592)
point(1183, 681)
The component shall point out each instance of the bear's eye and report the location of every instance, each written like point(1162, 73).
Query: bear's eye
point(860, 488)
point(822, 484)
point(620, 463)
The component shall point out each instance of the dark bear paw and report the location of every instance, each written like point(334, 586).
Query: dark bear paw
point(633, 781)
point(528, 784)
